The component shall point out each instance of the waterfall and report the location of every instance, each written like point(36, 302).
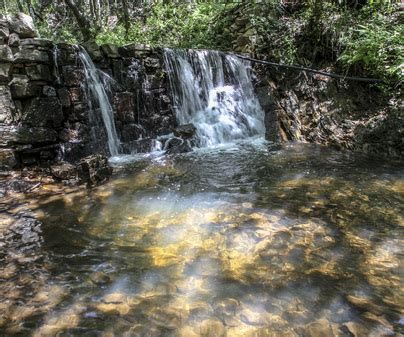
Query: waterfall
point(214, 91)
point(99, 95)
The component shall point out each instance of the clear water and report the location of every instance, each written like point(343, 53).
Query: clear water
point(214, 91)
point(244, 240)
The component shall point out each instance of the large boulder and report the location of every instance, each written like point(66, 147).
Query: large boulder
point(94, 169)
point(23, 25)
point(43, 111)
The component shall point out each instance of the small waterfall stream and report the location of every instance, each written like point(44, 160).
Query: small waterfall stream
point(214, 91)
point(98, 93)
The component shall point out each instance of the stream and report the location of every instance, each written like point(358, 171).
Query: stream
point(246, 239)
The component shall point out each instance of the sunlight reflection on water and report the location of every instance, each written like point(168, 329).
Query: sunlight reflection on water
point(235, 241)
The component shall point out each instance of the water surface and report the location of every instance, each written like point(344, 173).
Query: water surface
point(244, 240)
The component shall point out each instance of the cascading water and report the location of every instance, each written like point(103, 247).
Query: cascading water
point(214, 91)
point(98, 93)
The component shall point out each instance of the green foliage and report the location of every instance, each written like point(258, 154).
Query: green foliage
point(183, 25)
point(375, 45)
point(63, 34)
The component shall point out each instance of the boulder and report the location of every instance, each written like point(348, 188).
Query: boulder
point(23, 25)
point(7, 107)
point(110, 50)
point(31, 55)
point(6, 55)
point(64, 171)
point(177, 145)
point(185, 131)
point(43, 111)
point(39, 72)
point(94, 169)
point(21, 87)
point(13, 135)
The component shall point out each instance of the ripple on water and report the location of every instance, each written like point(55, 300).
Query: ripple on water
point(242, 241)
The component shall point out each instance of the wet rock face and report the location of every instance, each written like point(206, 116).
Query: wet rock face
point(46, 113)
point(321, 110)
point(185, 131)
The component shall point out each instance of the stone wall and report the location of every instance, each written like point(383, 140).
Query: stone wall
point(45, 115)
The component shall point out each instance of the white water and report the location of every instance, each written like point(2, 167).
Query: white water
point(99, 95)
point(214, 91)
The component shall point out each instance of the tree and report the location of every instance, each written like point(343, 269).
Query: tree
point(80, 19)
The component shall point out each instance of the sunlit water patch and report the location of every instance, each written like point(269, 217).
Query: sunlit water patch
point(244, 240)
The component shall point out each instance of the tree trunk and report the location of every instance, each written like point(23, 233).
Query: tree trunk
point(81, 20)
point(126, 16)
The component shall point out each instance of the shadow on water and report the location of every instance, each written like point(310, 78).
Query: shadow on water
point(250, 240)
